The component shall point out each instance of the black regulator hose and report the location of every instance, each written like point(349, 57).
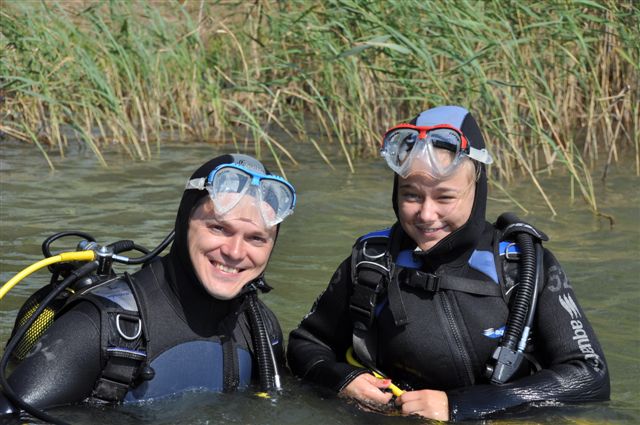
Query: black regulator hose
point(46, 244)
point(126, 245)
point(509, 354)
point(141, 260)
point(6, 388)
point(520, 308)
point(267, 365)
point(534, 299)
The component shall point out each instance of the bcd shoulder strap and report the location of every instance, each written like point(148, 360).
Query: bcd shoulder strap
point(370, 274)
point(122, 340)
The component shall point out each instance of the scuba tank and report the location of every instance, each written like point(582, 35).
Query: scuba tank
point(104, 255)
point(72, 271)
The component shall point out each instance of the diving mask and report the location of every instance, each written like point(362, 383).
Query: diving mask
point(433, 150)
point(228, 184)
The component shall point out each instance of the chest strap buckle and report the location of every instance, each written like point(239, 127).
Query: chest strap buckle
point(421, 280)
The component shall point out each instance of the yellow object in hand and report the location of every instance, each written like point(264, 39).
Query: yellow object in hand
point(352, 361)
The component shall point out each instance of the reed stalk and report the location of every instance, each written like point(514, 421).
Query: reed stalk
point(555, 85)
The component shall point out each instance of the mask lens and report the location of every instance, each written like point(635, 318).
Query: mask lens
point(272, 197)
point(227, 188)
point(444, 151)
point(445, 138)
point(397, 147)
point(277, 201)
point(437, 155)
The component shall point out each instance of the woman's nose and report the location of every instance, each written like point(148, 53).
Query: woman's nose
point(429, 210)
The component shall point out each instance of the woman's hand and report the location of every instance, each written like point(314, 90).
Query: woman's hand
point(368, 390)
point(428, 403)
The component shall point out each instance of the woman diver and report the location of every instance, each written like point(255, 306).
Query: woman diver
point(190, 320)
point(470, 319)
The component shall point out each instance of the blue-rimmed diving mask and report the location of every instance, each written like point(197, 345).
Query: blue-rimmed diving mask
point(228, 184)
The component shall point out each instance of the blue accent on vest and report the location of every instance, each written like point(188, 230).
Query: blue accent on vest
point(116, 291)
point(193, 365)
point(406, 259)
point(513, 248)
point(494, 333)
point(484, 262)
point(244, 365)
point(383, 232)
point(380, 306)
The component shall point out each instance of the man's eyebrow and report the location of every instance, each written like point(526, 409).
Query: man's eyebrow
point(405, 185)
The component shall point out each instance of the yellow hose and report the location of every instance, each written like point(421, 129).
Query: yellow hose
point(62, 257)
point(352, 361)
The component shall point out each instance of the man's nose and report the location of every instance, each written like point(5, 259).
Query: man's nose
point(233, 247)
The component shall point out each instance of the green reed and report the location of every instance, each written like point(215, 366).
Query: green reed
point(554, 84)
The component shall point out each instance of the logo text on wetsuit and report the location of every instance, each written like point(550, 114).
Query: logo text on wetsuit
point(579, 334)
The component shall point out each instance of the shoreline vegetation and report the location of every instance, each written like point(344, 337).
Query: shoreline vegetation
point(555, 85)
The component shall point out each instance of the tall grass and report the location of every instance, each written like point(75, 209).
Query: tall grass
point(555, 85)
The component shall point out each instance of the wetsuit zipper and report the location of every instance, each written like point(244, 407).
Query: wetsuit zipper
point(457, 337)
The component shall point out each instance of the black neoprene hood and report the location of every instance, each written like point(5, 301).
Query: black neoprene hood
point(182, 275)
point(464, 237)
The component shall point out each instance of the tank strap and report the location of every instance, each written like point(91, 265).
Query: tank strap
point(118, 374)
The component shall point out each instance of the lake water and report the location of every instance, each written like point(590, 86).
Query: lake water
point(138, 201)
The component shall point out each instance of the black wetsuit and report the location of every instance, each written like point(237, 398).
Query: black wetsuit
point(185, 351)
point(449, 337)
point(188, 332)
point(443, 340)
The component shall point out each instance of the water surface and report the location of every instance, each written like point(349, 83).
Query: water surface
point(138, 201)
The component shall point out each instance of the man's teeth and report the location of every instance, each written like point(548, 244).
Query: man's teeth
point(226, 269)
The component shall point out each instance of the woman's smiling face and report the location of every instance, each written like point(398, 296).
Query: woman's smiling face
point(430, 209)
point(228, 252)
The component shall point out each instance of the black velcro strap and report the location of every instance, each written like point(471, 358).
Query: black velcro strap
point(109, 391)
point(116, 378)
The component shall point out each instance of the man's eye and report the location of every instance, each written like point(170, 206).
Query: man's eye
point(216, 227)
point(410, 196)
point(258, 239)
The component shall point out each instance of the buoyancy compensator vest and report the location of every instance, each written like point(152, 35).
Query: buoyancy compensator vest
point(122, 341)
point(123, 325)
point(513, 269)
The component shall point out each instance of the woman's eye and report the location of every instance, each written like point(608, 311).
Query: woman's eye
point(447, 198)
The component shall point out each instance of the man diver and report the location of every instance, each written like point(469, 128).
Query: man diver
point(190, 320)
